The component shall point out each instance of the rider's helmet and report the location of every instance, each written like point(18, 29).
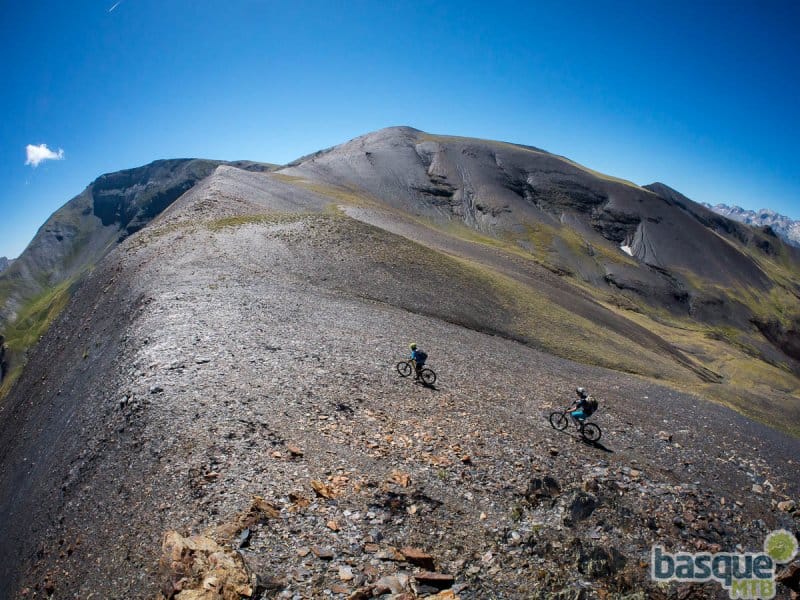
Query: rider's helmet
point(412, 346)
point(581, 392)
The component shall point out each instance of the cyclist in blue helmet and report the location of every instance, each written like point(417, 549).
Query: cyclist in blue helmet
point(419, 357)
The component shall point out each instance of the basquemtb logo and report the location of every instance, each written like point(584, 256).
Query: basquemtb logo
point(744, 575)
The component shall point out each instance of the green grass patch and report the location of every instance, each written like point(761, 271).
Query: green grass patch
point(350, 196)
point(547, 325)
point(260, 219)
point(32, 321)
point(766, 393)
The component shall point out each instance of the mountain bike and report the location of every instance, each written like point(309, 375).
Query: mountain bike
point(589, 431)
point(426, 375)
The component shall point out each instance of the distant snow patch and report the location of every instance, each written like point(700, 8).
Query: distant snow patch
point(626, 249)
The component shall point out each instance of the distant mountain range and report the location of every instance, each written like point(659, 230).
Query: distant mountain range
point(785, 227)
point(4, 263)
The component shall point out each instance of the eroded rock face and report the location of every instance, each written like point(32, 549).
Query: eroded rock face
point(785, 337)
point(542, 488)
point(198, 568)
point(130, 199)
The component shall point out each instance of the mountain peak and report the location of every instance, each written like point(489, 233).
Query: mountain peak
point(785, 227)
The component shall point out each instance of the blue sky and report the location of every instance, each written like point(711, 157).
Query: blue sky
point(702, 96)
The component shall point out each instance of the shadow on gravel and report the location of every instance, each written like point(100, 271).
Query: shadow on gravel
point(344, 408)
point(583, 440)
point(597, 445)
point(425, 385)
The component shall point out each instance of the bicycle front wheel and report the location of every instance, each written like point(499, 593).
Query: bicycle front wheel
point(428, 376)
point(591, 432)
point(404, 368)
point(559, 420)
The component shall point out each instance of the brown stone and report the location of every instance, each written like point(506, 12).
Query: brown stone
point(790, 577)
point(294, 450)
point(333, 525)
point(417, 557)
point(401, 478)
point(260, 510)
point(362, 593)
point(322, 553)
point(298, 500)
point(390, 554)
point(437, 580)
point(322, 490)
point(189, 564)
point(444, 595)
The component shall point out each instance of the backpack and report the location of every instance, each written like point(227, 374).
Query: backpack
point(590, 407)
point(421, 356)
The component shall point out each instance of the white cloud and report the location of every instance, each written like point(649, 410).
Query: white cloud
point(37, 154)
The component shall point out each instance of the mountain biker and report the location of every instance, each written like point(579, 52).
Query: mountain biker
point(583, 407)
point(419, 357)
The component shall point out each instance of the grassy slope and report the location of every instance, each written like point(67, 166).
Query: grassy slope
point(31, 323)
point(765, 392)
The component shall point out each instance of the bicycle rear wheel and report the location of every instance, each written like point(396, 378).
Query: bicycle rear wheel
point(591, 432)
point(404, 368)
point(428, 376)
point(559, 420)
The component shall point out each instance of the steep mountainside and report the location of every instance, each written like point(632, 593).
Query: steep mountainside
point(720, 297)
point(785, 227)
point(36, 285)
point(227, 370)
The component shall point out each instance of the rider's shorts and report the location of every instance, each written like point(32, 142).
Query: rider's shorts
point(578, 414)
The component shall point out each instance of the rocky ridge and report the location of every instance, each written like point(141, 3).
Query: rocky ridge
point(785, 227)
point(78, 235)
point(241, 432)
